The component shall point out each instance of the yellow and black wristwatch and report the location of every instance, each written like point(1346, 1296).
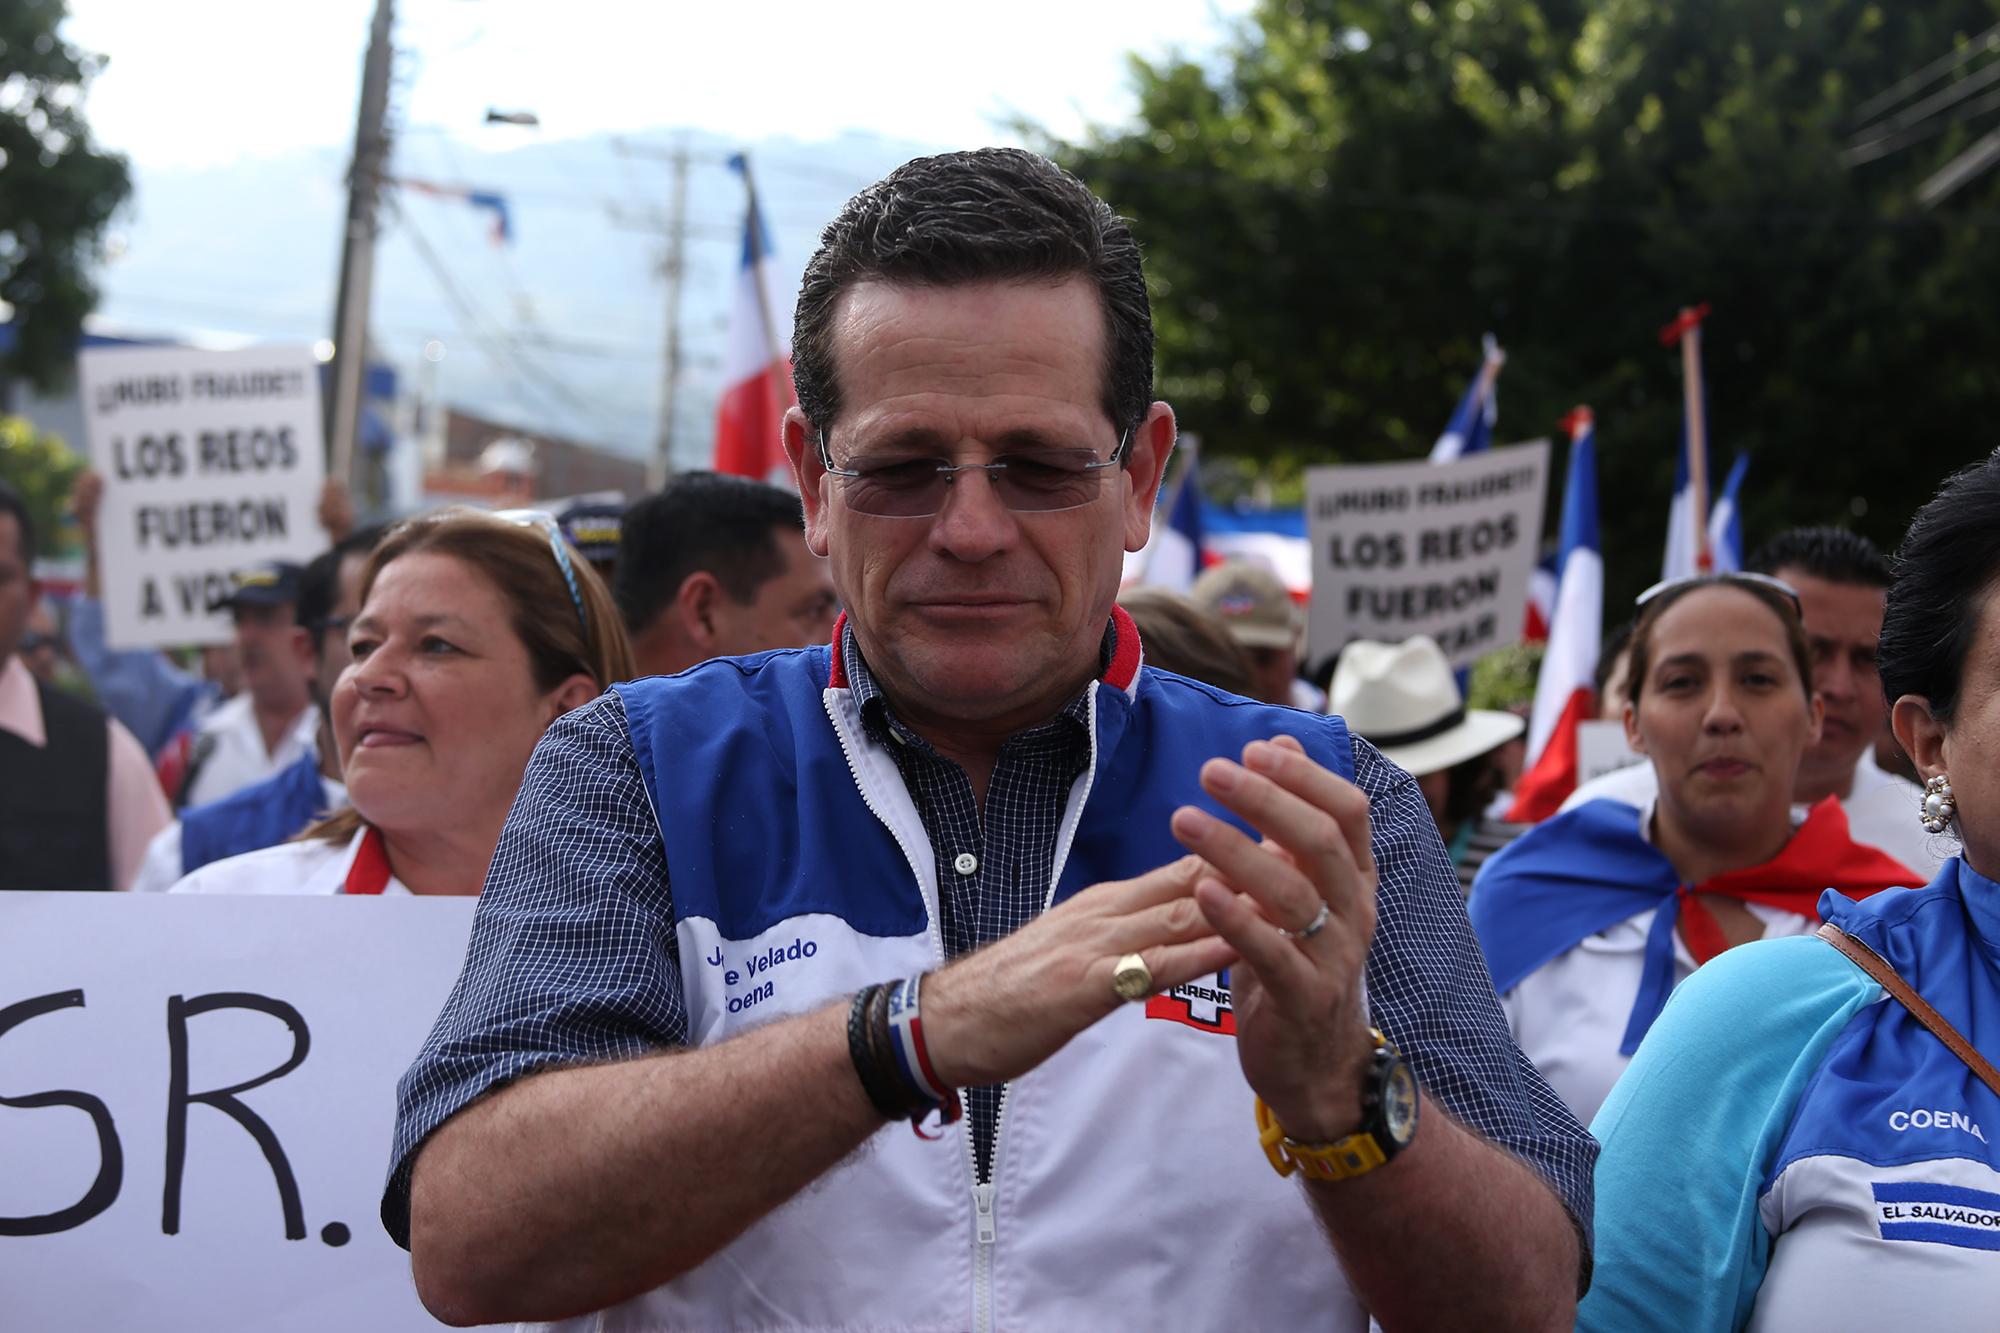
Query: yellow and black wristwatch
point(1389, 1104)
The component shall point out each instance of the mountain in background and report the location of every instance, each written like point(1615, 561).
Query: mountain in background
point(561, 330)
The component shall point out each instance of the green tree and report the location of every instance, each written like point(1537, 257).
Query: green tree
point(57, 191)
point(1340, 201)
point(44, 470)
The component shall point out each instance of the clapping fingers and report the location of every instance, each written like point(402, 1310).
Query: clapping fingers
point(1301, 1020)
point(1315, 852)
point(1005, 1008)
point(1161, 884)
point(1177, 964)
point(1315, 818)
point(1154, 915)
point(1292, 769)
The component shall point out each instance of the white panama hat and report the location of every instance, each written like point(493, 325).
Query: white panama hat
point(1403, 699)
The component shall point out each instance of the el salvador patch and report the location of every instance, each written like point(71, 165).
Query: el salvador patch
point(1202, 1003)
point(1940, 1214)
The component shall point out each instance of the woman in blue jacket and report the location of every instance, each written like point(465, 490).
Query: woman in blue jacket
point(1792, 1148)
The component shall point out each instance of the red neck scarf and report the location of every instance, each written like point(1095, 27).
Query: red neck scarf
point(369, 872)
point(1820, 855)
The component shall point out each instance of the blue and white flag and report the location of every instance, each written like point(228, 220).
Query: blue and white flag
point(1195, 534)
point(1175, 553)
point(1565, 695)
point(1725, 521)
point(492, 201)
point(1470, 430)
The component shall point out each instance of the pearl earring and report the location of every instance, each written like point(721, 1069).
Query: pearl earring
point(1939, 805)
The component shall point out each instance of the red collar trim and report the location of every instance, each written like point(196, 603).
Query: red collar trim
point(369, 872)
point(837, 677)
point(1125, 655)
point(1124, 668)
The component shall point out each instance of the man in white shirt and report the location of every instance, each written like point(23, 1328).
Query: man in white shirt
point(1842, 581)
point(268, 812)
point(271, 723)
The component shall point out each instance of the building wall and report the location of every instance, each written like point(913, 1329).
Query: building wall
point(562, 467)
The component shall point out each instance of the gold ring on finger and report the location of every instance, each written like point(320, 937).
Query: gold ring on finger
point(1317, 924)
point(1132, 979)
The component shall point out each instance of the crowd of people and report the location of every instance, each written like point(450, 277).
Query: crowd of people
point(261, 749)
point(1011, 825)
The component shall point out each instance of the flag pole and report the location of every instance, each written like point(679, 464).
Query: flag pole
point(781, 396)
point(1489, 370)
point(1686, 330)
point(1576, 421)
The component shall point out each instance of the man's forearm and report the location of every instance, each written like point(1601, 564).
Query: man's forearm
point(1455, 1233)
point(578, 1188)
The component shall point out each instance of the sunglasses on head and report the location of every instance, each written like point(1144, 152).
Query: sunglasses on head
point(543, 519)
point(1733, 579)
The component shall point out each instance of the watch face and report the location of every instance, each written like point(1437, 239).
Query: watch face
point(1399, 1103)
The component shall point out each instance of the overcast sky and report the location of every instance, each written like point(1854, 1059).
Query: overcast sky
point(207, 82)
point(238, 116)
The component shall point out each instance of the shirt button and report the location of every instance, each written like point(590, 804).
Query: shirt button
point(966, 864)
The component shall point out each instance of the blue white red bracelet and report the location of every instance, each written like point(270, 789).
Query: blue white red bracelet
point(913, 1059)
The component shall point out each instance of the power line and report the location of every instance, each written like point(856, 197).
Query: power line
point(502, 345)
point(1929, 74)
point(1937, 102)
point(673, 270)
point(235, 311)
point(1860, 153)
point(525, 310)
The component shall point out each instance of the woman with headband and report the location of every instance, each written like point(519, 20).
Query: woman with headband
point(476, 631)
point(1590, 919)
point(1806, 1140)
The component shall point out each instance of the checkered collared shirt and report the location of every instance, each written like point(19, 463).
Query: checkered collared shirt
point(573, 958)
point(994, 871)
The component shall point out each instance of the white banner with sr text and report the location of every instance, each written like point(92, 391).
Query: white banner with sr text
point(197, 1096)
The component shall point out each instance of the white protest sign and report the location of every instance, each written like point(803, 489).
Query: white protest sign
point(1443, 549)
point(211, 462)
point(1601, 749)
point(197, 1096)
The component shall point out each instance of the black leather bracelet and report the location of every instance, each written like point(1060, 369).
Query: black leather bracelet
point(907, 1097)
point(877, 1079)
point(878, 1043)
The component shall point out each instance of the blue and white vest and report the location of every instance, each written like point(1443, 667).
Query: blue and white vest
point(1792, 1150)
point(261, 815)
point(1127, 1179)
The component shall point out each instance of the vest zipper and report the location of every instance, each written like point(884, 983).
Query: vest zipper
point(983, 1192)
point(982, 1256)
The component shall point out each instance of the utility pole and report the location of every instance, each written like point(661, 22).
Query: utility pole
point(357, 260)
point(672, 268)
point(674, 231)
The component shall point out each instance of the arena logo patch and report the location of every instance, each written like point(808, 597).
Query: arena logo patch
point(1202, 1004)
